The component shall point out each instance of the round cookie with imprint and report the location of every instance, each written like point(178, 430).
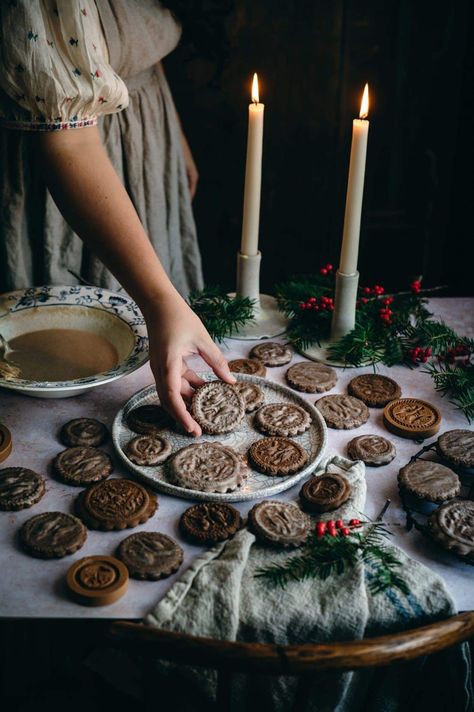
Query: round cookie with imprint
point(309, 377)
point(457, 447)
point(83, 431)
point(279, 523)
point(81, 465)
point(324, 493)
point(252, 395)
point(277, 456)
point(249, 366)
point(116, 504)
point(52, 535)
point(148, 450)
point(411, 418)
point(147, 419)
point(272, 354)
point(207, 467)
point(218, 407)
point(343, 412)
point(429, 480)
point(210, 522)
point(452, 526)
point(20, 488)
point(282, 419)
point(150, 556)
point(374, 390)
point(97, 580)
point(373, 450)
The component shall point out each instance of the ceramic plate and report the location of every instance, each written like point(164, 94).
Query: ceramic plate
point(257, 484)
point(101, 311)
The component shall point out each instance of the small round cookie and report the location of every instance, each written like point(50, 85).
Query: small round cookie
point(83, 431)
point(210, 522)
point(411, 418)
point(324, 493)
point(148, 449)
point(97, 580)
point(207, 467)
point(250, 366)
point(252, 395)
point(282, 419)
point(116, 504)
point(52, 535)
point(277, 456)
point(374, 390)
point(457, 447)
point(452, 526)
point(279, 523)
point(20, 488)
point(80, 466)
point(218, 407)
point(429, 480)
point(272, 354)
point(373, 450)
point(148, 419)
point(310, 377)
point(342, 412)
point(150, 556)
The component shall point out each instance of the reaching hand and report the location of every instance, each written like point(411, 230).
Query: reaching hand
point(176, 332)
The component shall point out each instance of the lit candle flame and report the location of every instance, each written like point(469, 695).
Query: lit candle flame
point(255, 97)
point(364, 107)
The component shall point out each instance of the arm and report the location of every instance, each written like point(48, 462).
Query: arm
point(92, 199)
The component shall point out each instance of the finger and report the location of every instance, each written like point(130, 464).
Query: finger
point(193, 379)
point(213, 356)
point(186, 390)
point(170, 393)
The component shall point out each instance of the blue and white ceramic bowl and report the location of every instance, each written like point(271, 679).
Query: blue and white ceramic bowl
point(109, 314)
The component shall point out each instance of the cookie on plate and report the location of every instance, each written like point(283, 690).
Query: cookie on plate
point(452, 526)
point(272, 354)
point(207, 467)
point(150, 555)
point(324, 493)
point(148, 450)
point(282, 419)
point(218, 407)
point(252, 395)
point(279, 523)
point(310, 377)
point(52, 535)
point(81, 465)
point(429, 480)
point(342, 412)
point(116, 504)
point(374, 390)
point(149, 418)
point(277, 456)
point(83, 431)
point(20, 488)
point(457, 447)
point(210, 522)
point(250, 366)
point(373, 450)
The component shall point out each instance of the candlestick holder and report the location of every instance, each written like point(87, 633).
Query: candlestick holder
point(343, 319)
point(268, 320)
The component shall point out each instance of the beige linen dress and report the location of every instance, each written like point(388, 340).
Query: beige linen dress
point(67, 64)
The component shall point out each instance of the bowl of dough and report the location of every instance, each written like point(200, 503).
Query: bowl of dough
point(60, 341)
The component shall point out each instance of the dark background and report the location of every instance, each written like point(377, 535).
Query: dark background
point(313, 58)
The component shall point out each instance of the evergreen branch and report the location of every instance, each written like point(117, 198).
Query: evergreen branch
point(221, 314)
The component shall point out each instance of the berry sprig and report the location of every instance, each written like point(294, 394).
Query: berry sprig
point(334, 527)
point(317, 305)
point(415, 286)
point(419, 354)
point(325, 271)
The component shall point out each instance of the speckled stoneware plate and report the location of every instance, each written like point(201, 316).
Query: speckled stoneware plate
point(100, 311)
point(257, 485)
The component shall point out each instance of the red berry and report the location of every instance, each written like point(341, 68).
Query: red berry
point(331, 523)
point(345, 531)
point(321, 528)
point(367, 290)
point(329, 267)
point(428, 351)
point(302, 305)
point(323, 305)
point(423, 359)
point(332, 532)
point(331, 307)
point(316, 307)
point(354, 522)
point(323, 271)
point(311, 300)
point(364, 300)
point(339, 523)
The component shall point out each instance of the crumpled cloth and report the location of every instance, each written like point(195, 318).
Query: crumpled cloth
point(219, 596)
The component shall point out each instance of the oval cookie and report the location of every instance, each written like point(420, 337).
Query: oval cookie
point(278, 456)
point(150, 555)
point(210, 522)
point(452, 526)
point(282, 419)
point(217, 407)
point(251, 394)
point(207, 467)
point(373, 450)
point(411, 418)
point(250, 366)
point(84, 431)
point(148, 449)
point(457, 447)
point(310, 377)
point(279, 523)
point(52, 535)
point(20, 488)
point(325, 493)
point(82, 465)
point(429, 480)
point(374, 390)
point(116, 504)
point(97, 580)
point(272, 354)
point(342, 412)
point(149, 419)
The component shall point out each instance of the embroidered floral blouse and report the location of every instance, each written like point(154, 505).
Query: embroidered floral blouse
point(54, 68)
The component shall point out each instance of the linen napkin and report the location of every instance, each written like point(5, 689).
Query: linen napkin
point(220, 596)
